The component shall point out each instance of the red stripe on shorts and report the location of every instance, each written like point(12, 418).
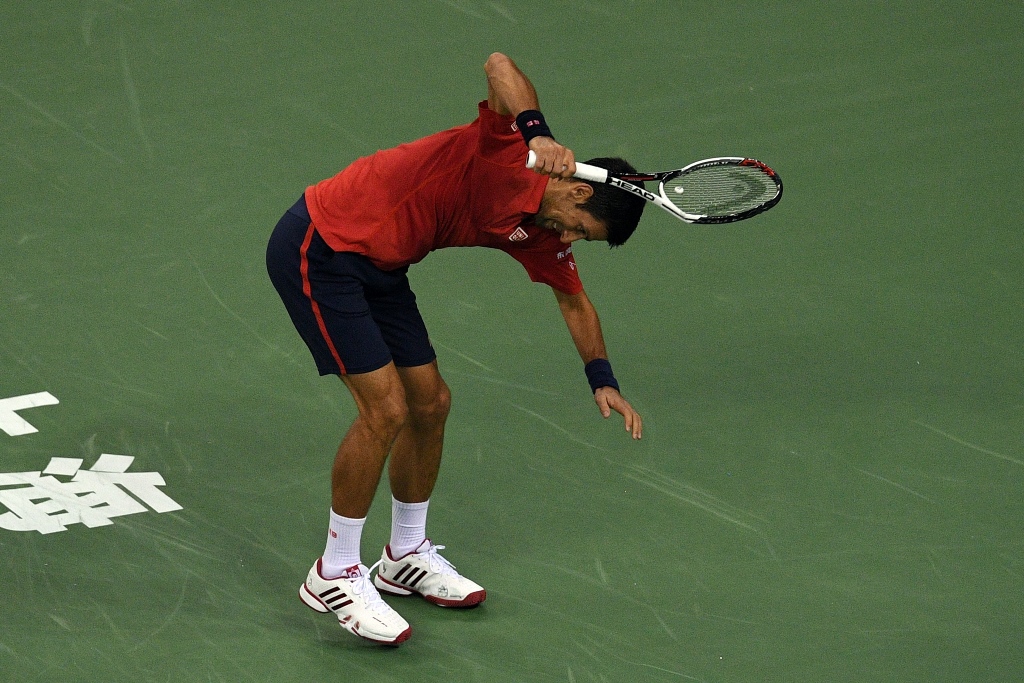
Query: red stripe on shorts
point(308, 291)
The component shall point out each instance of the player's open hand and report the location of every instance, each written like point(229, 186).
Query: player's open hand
point(553, 159)
point(608, 399)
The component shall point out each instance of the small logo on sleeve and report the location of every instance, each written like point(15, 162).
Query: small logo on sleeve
point(518, 235)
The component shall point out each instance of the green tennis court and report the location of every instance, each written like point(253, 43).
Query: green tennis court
point(829, 483)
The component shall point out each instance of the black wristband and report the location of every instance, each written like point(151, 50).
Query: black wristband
point(531, 124)
point(599, 374)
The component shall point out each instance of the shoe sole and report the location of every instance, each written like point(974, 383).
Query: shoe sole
point(471, 600)
point(314, 603)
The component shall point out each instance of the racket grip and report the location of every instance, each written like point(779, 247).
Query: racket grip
point(594, 174)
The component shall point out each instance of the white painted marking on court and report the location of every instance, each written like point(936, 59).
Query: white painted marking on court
point(462, 356)
point(705, 505)
point(88, 18)
point(63, 467)
point(235, 315)
point(60, 124)
point(62, 622)
point(600, 571)
point(91, 498)
point(680, 674)
point(968, 444)
point(546, 421)
point(503, 11)
point(166, 622)
point(493, 380)
point(891, 483)
point(700, 499)
point(151, 331)
point(117, 385)
point(664, 625)
point(461, 6)
point(14, 424)
point(133, 96)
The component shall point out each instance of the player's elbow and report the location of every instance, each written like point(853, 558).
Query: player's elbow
point(496, 62)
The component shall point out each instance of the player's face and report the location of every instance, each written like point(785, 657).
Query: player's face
point(563, 214)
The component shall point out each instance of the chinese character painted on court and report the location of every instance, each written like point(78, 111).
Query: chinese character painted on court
point(15, 425)
point(64, 494)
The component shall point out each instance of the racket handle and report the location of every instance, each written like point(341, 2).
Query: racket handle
point(594, 174)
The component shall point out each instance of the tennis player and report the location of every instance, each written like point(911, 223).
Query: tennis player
point(339, 260)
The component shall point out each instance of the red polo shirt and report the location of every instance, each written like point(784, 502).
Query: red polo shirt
point(463, 187)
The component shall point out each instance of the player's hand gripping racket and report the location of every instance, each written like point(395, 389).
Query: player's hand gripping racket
point(720, 190)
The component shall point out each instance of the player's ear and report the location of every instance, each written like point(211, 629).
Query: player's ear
point(581, 192)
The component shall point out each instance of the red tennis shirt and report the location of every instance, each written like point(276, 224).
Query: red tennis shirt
point(463, 187)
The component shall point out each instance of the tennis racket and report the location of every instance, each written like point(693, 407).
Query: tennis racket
point(720, 190)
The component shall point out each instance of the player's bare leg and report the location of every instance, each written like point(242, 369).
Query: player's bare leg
point(381, 402)
point(416, 453)
point(339, 582)
point(411, 562)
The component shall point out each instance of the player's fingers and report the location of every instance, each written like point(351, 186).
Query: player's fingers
point(637, 426)
point(633, 422)
point(549, 156)
point(554, 167)
point(564, 163)
point(553, 159)
point(602, 404)
point(543, 163)
point(568, 165)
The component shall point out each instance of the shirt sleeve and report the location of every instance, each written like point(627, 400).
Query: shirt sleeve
point(500, 140)
point(549, 262)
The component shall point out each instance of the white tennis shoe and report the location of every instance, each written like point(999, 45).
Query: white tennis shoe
point(357, 604)
point(424, 571)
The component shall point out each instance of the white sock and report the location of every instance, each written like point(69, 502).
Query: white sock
point(342, 549)
point(408, 526)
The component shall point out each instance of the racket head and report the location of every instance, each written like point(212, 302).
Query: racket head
point(721, 190)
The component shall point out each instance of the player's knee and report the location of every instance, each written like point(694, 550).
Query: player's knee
point(434, 409)
point(443, 402)
point(386, 417)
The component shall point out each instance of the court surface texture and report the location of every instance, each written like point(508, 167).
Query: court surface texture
point(829, 483)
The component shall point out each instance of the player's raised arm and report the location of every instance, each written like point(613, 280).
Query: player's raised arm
point(585, 330)
point(510, 92)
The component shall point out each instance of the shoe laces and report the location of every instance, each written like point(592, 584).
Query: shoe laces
point(364, 588)
point(438, 563)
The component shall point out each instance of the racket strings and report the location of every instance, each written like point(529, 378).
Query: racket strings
point(722, 190)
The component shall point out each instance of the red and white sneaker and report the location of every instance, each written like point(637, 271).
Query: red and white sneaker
point(357, 604)
point(424, 571)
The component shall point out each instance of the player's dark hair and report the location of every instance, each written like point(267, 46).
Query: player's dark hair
point(619, 210)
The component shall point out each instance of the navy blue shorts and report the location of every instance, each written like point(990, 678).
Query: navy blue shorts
point(353, 316)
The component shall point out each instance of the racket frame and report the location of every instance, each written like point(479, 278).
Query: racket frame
point(596, 174)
